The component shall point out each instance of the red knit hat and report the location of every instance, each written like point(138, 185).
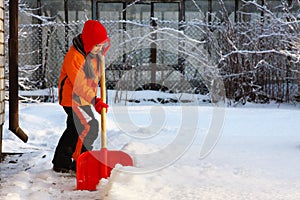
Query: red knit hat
point(93, 33)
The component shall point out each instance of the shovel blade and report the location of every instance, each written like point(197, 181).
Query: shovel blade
point(92, 166)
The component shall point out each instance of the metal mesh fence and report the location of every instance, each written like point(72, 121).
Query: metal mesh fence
point(141, 45)
point(41, 52)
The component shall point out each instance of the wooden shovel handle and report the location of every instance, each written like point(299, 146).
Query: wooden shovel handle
point(103, 97)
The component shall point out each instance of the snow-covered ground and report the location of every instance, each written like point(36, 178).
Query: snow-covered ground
point(257, 154)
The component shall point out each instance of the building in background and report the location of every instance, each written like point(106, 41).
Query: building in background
point(2, 65)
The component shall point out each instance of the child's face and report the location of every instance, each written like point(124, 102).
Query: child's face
point(97, 48)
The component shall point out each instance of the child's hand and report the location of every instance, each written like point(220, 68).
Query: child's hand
point(99, 104)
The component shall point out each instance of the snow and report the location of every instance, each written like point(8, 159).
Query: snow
point(256, 156)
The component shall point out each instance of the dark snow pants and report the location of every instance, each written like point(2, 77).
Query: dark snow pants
point(67, 142)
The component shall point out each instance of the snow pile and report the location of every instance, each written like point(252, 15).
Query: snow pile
point(256, 157)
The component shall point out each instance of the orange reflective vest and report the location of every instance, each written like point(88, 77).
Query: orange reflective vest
point(74, 88)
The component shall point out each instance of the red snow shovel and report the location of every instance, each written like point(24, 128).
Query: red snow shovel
point(93, 165)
